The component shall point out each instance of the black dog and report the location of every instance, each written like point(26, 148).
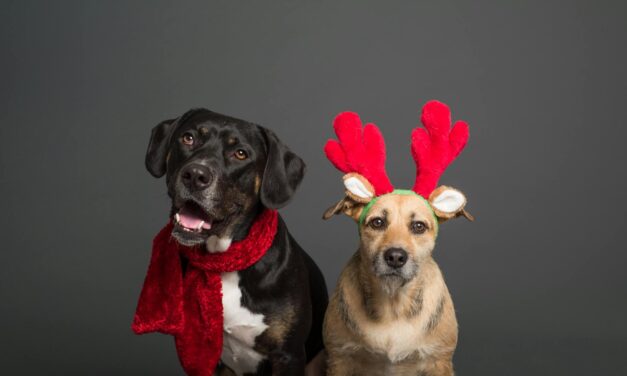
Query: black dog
point(220, 173)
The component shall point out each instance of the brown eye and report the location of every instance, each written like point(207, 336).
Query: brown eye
point(418, 227)
point(241, 154)
point(188, 139)
point(377, 223)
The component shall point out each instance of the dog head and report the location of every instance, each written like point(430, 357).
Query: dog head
point(220, 172)
point(398, 230)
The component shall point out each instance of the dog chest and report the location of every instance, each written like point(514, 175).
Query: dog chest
point(397, 340)
point(241, 327)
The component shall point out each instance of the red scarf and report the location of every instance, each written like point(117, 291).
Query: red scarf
point(189, 306)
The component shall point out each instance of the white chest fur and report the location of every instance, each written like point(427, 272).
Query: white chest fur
point(399, 338)
point(241, 327)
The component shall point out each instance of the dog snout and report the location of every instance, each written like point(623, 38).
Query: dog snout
point(395, 257)
point(196, 177)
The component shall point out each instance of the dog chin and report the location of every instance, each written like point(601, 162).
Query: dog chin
point(187, 238)
point(212, 242)
point(391, 283)
point(393, 279)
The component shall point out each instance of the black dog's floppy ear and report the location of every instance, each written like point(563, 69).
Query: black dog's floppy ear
point(283, 173)
point(156, 154)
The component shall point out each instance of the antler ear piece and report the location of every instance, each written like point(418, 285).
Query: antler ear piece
point(358, 188)
point(449, 203)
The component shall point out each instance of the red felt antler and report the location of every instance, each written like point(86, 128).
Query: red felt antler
point(360, 150)
point(435, 147)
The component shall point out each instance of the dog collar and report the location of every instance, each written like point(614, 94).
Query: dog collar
point(405, 192)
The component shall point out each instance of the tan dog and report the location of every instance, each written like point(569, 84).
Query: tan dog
point(391, 313)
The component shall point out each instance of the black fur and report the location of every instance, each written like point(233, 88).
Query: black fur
point(286, 276)
point(283, 173)
point(157, 147)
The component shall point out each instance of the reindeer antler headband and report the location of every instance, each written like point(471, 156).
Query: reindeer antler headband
point(360, 153)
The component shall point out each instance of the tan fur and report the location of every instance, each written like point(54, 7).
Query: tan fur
point(280, 324)
point(347, 206)
point(317, 365)
point(377, 327)
point(257, 184)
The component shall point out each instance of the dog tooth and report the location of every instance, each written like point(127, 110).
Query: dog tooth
point(177, 217)
point(199, 227)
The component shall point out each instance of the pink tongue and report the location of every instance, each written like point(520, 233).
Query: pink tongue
point(190, 220)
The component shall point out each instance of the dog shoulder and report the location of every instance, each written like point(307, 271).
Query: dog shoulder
point(339, 325)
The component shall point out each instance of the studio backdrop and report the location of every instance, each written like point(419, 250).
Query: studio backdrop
point(538, 280)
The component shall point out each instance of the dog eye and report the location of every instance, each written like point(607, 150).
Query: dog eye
point(418, 227)
point(241, 154)
point(377, 223)
point(188, 139)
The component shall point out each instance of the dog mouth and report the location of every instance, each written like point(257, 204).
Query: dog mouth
point(385, 272)
point(194, 219)
point(393, 273)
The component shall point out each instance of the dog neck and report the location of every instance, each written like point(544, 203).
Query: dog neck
point(241, 229)
point(236, 231)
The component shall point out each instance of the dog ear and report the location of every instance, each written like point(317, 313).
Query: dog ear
point(156, 155)
point(347, 206)
point(283, 172)
point(359, 192)
point(448, 203)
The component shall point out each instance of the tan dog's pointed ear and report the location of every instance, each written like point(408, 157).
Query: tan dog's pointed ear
point(334, 209)
point(347, 206)
point(448, 203)
point(359, 192)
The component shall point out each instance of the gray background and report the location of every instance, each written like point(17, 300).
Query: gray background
point(538, 280)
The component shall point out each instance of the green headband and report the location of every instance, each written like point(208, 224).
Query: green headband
point(408, 192)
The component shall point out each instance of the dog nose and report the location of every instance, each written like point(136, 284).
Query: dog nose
point(196, 177)
point(395, 257)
